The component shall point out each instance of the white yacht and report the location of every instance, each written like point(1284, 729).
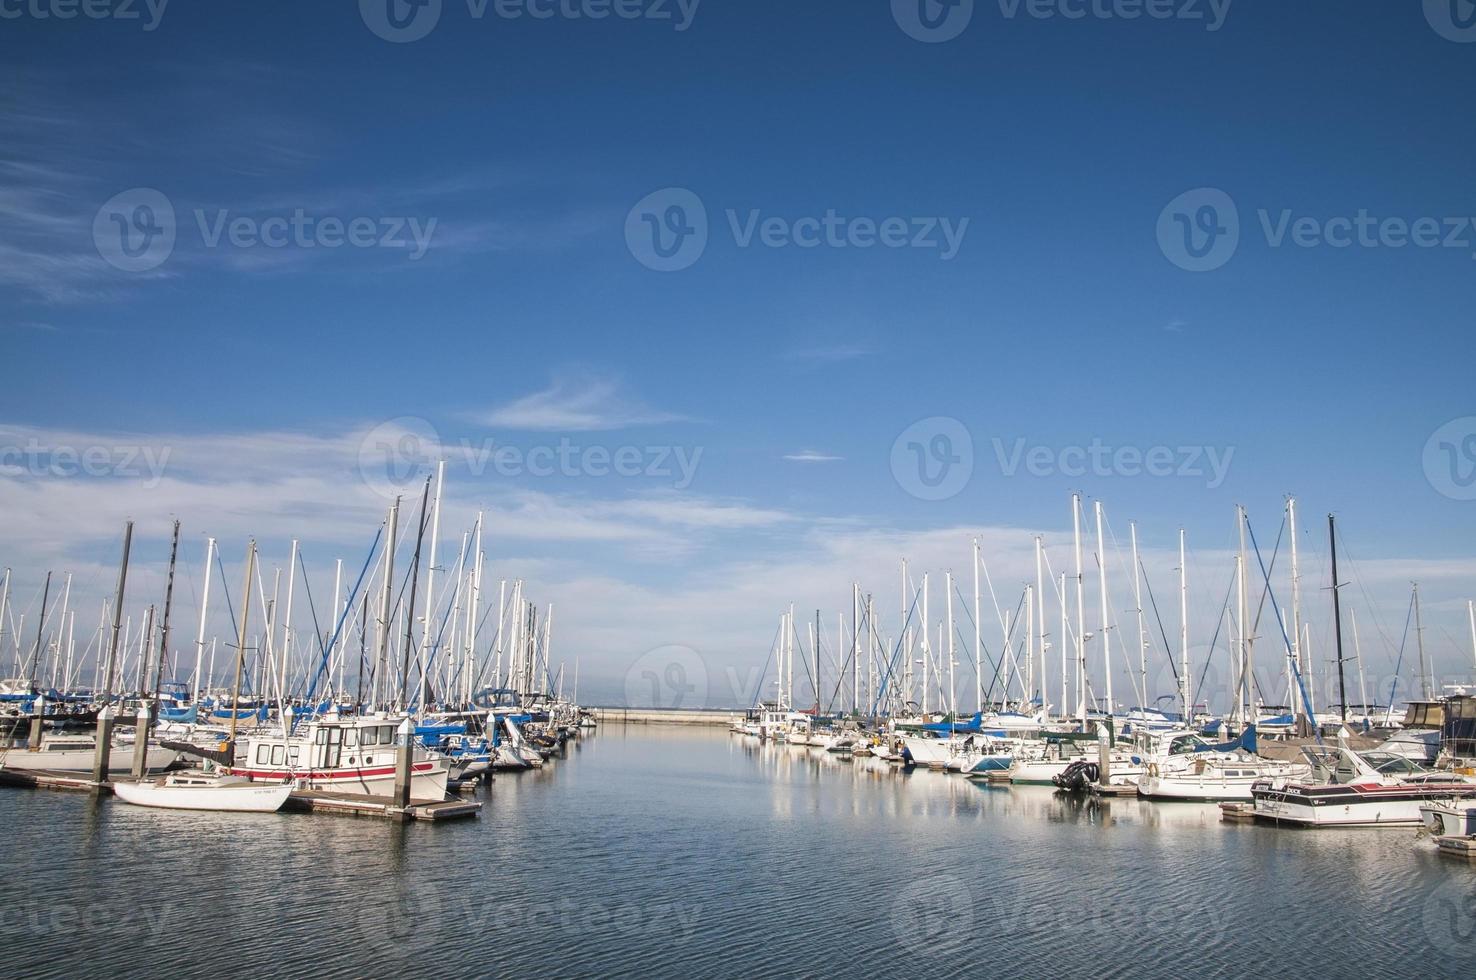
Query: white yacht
point(342, 755)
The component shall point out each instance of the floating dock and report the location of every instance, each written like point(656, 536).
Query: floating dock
point(1461, 848)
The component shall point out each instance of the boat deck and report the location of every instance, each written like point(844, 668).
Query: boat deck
point(1461, 848)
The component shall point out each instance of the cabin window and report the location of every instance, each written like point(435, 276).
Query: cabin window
point(321, 738)
point(293, 754)
point(279, 752)
point(350, 738)
point(261, 755)
point(386, 734)
point(369, 736)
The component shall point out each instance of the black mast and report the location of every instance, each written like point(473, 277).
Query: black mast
point(1332, 537)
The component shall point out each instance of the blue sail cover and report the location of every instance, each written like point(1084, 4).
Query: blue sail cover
point(1246, 741)
point(186, 716)
point(972, 726)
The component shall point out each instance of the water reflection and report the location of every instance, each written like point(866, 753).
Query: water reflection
point(672, 852)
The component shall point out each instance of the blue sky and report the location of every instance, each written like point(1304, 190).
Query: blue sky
point(1060, 321)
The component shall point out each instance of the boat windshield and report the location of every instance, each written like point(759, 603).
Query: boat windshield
point(1393, 765)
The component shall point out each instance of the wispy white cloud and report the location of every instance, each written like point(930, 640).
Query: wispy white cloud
point(831, 353)
point(578, 402)
point(811, 456)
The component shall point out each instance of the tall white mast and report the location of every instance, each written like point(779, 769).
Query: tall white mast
point(952, 704)
point(1299, 680)
point(472, 619)
point(789, 660)
point(927, 646)
point(335, 622)
point(1081, 695)
point(978, 647)
point(906, 639)
point(1102, 589)
point(1185, 694)
point(1242, 693)
point(1040, 624)
point(1138, 602)
point(287, 620)
point(1358, 653)
point(1420, 645)
point(381, 658)
point(1471, 615)
point(204, 610)
point(430, 583)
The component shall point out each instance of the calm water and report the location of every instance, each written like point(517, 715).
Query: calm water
point(666, 852)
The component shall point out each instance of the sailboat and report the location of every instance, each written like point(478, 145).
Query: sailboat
point(199, 790)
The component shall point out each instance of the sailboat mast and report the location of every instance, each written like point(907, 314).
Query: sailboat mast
point(287, 621)
point(1081, 697)
point(40, 625)
point(204, 610)
point(402, 698)
point(1332, 540)
point(168, 606)
point(1185, 695)
point(1102, 589)
point(430, 584)
point(952, 704)
point(1420, 645)
point(241, 651)
point(1040, 624)
point(815, 649)
point(1138, 602)
point(978, 648)
point(381, 656)
point(1242, 684)
point(1296, 651)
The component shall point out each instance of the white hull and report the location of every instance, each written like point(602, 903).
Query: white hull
point(120, 760)
point(1450, 819)
point(227, 797)
point(1200, 788)
point(1039, 770)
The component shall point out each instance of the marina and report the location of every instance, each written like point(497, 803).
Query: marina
point(685, 842)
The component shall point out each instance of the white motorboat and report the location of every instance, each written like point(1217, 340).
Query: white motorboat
point(1353, 789)
point(199, 790)
point(1454, 818)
